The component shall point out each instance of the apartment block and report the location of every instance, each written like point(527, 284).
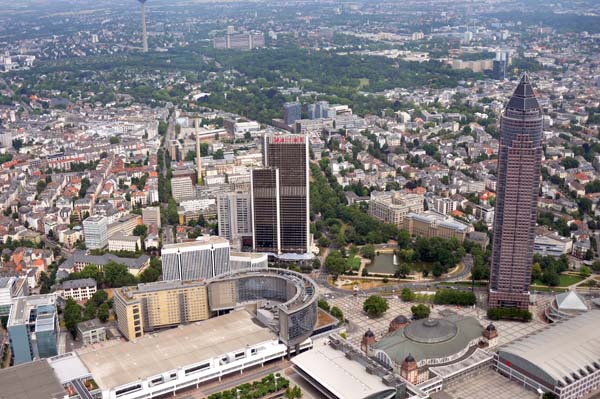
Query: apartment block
point(163, 304)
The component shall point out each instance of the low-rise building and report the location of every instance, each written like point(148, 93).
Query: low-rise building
point(80, 259)
point(392, 207)
point(551, 244)
point(124, 225)
point(123, 242)
point(432, 224)
point(180, 358)
point(338, 371)
point(80, 290)
point(91, 332)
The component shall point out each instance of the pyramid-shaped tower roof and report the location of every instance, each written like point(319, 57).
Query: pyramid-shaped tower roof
point(523, 98)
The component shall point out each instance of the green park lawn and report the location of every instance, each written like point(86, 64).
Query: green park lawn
point(565, 280)
point(354, 263)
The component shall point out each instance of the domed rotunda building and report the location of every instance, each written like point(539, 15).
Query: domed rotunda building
point(428, 342)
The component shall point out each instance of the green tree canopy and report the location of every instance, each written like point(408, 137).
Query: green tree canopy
point(420, 311)
point(375, 306)
point(72, 316)
point(335, 263)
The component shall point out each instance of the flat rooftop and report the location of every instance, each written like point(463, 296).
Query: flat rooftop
point(341, 376)
point(33, 380)
point(246, 255)
point(129, 291)
point(115, 363)
point(22, 307)
point(197, 243)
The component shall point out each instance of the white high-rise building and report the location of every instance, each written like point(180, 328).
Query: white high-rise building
point(95, 231)
point(151, 216)
point(234, 211)
point(201, 259)
point(182, 187)
point(7, 291)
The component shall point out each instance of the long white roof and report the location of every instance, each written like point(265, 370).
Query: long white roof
point(563, 349)
point(115, 363)
point(345, 378)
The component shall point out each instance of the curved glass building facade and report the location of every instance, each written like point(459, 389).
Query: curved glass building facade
point(295, 295)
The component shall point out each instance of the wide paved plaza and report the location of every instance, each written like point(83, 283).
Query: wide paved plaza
point(359, 322)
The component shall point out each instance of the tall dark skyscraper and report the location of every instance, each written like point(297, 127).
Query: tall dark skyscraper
point(280, 196)
point(519, 163)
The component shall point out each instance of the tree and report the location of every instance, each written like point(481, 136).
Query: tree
point(407, 295)
point(140, 230)
point(420, 311)
point(149, 275)
point(454, 297)
point(403, 239)
point(584, 205)
point(162, 128)
point(375, 306)
point(403, 270)
point(593, 187)
point(437, 269)
point(99, 297)
point(72, 316)
point(335, 263)
point(17, 144)
point(40, 186)
point(172, 215)
point(218, 154)
point(536, 272)
point(89, 310)
point(585, 271)
point(85, 184)
point(323, 305)
point(509, 314)
point(430, 149)
point(551, 278)
point(114, 140)
point(337, 313)
point(368, 251)
point(569, 163)
point(117, 275)
point(103, 312)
